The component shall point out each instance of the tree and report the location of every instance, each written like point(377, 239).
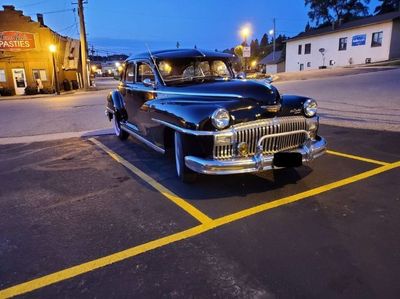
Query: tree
point(387, 6)
point(332, 11)
point(264, 41)
point(255, 48)
point(178, 45)
point(308, 27)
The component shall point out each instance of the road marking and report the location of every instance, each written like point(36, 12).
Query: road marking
point(191, 232)
point(200, 216)
point(356, 158)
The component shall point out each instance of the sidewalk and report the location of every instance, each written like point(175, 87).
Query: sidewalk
point(326, 73)
point(38, 96)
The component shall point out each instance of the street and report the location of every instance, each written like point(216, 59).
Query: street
point(368, 101)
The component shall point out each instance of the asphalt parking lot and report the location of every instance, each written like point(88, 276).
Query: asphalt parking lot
point(97, 217)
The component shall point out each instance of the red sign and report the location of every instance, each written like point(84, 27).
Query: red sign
point(15, 41)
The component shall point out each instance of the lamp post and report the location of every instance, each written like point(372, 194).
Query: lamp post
point(245, 32)
point(53, 49)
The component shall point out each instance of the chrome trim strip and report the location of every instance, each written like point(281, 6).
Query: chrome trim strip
point(142, 139)
point(188, 131)
point(197, 94)
point(272, 108)
point(311, 150)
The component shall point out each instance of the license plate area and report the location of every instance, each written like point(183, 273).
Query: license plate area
point(288, 160)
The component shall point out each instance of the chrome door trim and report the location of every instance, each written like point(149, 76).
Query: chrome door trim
point(130, 129)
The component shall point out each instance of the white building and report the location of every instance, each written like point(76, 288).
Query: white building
point(273, 63)
point(371, 39)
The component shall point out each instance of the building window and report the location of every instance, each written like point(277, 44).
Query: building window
point(299, 50)
point(377, 39)
point(308, 64)
point(39, 74)
point(342, 43)
point(2, 75)
point(307, 48)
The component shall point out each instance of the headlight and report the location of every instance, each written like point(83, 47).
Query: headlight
point(220, 118)
point(310, 107)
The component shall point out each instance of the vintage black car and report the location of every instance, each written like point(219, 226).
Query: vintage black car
point(190, 103)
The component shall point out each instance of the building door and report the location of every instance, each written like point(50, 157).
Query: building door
point(19, 81)
point(301, 66)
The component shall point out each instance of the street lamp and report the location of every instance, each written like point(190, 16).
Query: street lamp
point(245, 32)
point(53, 49)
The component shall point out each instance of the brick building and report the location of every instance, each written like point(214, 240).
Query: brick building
point(25, 58)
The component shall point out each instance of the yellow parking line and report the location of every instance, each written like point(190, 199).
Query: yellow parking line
point(197, 230)
point(356, 158)
point(196, 213)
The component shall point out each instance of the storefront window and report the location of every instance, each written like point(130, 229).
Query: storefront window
point(40, 74)
point(2, 75)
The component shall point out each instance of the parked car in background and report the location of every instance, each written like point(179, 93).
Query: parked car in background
point(190, 102)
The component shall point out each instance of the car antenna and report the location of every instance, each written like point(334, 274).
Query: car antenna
point(155, 64)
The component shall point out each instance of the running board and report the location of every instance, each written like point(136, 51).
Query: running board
point(130, 129)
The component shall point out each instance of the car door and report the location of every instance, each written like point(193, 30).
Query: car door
point(143, 93)
point(128, 94)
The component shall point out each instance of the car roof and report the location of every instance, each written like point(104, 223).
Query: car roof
point(181, 53)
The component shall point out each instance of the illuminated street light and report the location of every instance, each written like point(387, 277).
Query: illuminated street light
point(254, 63)
point(53, 49)
point(94, 68)
point(271, 32)
point(117, 64)
point(245, 32)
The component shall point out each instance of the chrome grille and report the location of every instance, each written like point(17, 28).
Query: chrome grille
point(251, 132)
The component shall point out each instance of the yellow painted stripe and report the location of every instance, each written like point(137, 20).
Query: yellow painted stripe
point(131, 252)
point(356, 158)
point(196, 213)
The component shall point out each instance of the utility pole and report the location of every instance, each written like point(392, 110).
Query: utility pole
point(83, 45)
point(273, 45)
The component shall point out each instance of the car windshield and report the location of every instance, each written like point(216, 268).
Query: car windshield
point(175, 71)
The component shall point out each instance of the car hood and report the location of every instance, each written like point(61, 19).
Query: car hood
point(256, 91)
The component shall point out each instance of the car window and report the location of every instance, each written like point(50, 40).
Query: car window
point(144, 72)
point(219, 68)
point(130, 73)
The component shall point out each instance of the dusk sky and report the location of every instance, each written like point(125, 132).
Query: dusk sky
point(127, 25)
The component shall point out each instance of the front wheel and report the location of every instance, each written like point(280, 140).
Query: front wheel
point(117, 129)
point(183, 172)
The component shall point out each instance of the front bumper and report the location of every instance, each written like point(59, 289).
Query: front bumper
point(309, 151)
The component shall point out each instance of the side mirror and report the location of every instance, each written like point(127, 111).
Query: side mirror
point(241, 75)
point(148, 83)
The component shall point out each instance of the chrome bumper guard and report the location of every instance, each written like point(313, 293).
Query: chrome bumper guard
point(310, 150)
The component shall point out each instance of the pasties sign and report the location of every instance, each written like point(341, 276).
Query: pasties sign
point(16, 41)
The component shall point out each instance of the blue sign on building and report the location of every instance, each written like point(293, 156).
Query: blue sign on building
point(359, 40)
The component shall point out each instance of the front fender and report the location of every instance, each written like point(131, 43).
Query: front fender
point(185, 113)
